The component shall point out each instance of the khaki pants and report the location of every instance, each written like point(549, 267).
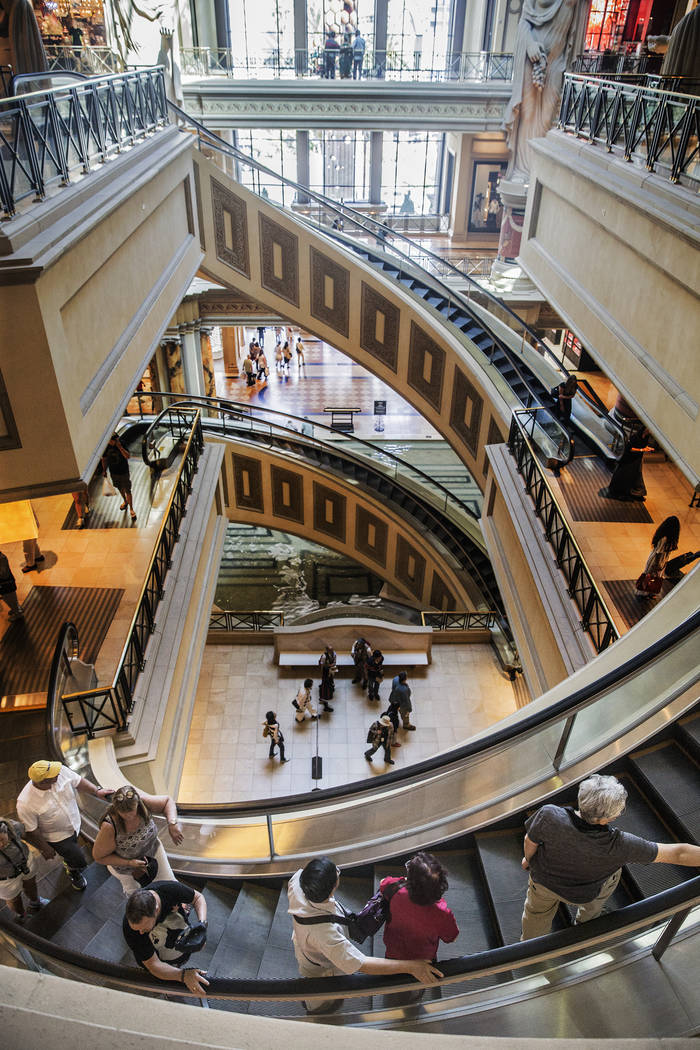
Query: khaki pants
point(541, 905)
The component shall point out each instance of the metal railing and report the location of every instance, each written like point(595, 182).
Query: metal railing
point(389, 65)
point(49, 137)
point(596, 618)
point(591, 62)
point(460, 621)
point(92, 61)
point(108, 707)
point(5, 78)
point(257, 620)
point(660, 129)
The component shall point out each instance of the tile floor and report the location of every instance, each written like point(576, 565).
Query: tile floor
point(462, 692)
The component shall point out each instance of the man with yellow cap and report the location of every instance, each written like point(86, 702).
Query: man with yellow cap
point(48, 809)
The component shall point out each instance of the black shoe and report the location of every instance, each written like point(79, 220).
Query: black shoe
point(77, 880)
point(284, 760)
point(368, 757)
point(390, 761)
point(326, 707)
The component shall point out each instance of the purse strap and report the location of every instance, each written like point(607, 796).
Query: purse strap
point(346, 918)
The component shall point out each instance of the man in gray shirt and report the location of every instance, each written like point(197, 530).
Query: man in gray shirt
point(576, 857)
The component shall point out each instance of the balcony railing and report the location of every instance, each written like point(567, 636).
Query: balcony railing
point(656, 128)
point(48, 138)
point(596, 619)
point(480, 66)
point(257, 620)
point(108, 707)
point(91, 61)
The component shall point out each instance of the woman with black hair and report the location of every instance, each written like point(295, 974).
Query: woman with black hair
point(663, 542)
point(420, 918)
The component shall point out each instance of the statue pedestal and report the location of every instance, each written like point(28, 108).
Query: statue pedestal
point(507, 278)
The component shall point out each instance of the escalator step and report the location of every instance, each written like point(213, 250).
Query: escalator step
point(244, 937)
point(689, 732)
point(640, 819)
point(500, 854)
point(675, 780)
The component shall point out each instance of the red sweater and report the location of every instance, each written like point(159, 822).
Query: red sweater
point(415, 929)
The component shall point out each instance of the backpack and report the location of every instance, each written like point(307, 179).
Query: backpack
point(364, 923)
point(374, 731)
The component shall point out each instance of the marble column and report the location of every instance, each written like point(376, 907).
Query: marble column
point(173, 359)
point(207, 363)
point(514, 198)
point(376, 145)
point(192, 358)
point(229, 343)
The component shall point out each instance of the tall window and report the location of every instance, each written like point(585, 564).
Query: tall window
point(262, 34)
point(411, 167)
point(418, 34)
point(277, 151)
point(339, 164)
point(606, 24)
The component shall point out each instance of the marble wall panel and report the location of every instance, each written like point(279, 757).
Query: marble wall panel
point(379, 327)
point(441, 597)
point(247, 482)
point(330, 292)
point(465, 411)
point(287, 494)
point(426, 366)
point(371, 535)
point(330, 512)
point(230, 228)
point(410, 566)
point(279, 260)
point(494, 437)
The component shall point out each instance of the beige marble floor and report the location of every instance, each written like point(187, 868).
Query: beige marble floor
point(461, 693)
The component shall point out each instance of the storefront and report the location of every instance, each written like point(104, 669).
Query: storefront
point(71, 24)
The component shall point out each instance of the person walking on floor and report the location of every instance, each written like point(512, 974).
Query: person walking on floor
point(327, 663)
point(401, 697)
point(48, 809)
point(261, 335)
point(575, 856)
point(8, 589)
point(301, 360)
point(263, 370)
point(248, 369)
point(375, 674)
point(116, 458)
point(361, 653)
point(271, 729)
point(279, 359)
point(380, 734)
point(30, 548)
point(286, 357)
point(81, 502)
point(303, 702)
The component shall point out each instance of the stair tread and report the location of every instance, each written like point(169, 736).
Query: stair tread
point(500, 854)
point(676, 779)
point(640, 819)
point(243, 939)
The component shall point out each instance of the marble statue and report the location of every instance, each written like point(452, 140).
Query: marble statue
point(550, 35)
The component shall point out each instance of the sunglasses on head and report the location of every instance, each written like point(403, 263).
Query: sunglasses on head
point(126, 796)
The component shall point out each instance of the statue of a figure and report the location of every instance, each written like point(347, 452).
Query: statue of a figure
point(683, 55)
point(17, 20)
point(550, 35)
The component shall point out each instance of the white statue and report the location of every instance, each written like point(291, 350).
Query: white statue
point(550, 35)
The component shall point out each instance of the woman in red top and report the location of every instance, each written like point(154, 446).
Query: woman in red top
point(419, 916)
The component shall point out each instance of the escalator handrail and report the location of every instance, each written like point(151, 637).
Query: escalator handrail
point(524, 953)
point(568, 705)
point(246, 409)
point(362, 220)
point(68, 630)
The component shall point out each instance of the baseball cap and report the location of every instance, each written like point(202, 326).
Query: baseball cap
point(43, 770)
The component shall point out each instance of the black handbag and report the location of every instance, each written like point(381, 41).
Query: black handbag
point(364, 923)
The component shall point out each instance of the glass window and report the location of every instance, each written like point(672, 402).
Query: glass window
point(276, 150)
point(417, 35)
point(486, 209)
point(262, 34)
point(411, 163)
point(339, 164)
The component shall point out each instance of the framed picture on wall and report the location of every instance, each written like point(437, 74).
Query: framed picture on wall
point(486, 209)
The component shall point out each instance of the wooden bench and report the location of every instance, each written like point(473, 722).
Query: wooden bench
point(342, 418)
point(402, 645)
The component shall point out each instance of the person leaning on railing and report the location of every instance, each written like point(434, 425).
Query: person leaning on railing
point(156, 928)
point(575, 856)
point(128, 836)
point(322, 949)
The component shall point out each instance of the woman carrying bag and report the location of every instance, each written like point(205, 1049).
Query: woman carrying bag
point(128, 837)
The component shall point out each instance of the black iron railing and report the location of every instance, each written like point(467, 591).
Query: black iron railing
point(108, 707)
point(258, 620)
point(596, 619)
point(49, 137)
point(389, 65)
point(659, 128)
point(460, 621)
point(591, 62)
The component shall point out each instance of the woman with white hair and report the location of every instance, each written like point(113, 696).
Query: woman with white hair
point(575, 856)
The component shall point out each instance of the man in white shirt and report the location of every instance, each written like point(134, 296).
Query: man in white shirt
point(48, 809)
point(322, 949)
point(304, 702)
